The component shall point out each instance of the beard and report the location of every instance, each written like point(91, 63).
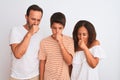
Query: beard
point(29, 26)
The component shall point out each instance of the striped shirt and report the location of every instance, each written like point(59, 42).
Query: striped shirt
point(55, 68)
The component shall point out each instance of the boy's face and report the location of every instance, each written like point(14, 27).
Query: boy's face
point(57, 28)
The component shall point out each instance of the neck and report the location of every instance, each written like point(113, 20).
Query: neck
point(53, 36)
point(26, 27)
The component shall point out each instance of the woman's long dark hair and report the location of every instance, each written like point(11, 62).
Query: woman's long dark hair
point(91, 32)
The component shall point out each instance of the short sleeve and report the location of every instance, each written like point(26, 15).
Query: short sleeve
point(42, 55)
point(97, 51)
point(14, 36)
point(77, 58)
point(71, 47)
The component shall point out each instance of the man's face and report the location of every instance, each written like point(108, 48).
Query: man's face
point(33, 18)
point(57, 28)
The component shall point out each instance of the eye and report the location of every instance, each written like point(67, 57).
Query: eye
point(79, 34)
point(38, 20)
point(85, 34)
point(53, 27)
point(33, 18)
point(60, 28)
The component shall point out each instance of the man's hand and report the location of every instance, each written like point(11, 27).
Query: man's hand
point(34, 29)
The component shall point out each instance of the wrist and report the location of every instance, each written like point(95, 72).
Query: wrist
point(60, 42)
point(28, 34)
point(61, 45)
point(85, 49)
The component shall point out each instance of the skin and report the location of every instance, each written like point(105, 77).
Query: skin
point(83, 40)
point(57, 30)
point(32, 23)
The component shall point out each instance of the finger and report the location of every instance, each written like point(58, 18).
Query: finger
point(35, 25)
point(79, 41)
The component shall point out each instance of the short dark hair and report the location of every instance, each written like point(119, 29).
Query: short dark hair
point(34, 7)
point(58, 17)
point(91, 32)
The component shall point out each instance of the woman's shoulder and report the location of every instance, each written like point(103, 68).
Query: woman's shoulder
point(95, 43)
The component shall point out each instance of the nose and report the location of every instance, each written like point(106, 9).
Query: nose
point(81, 36)
point(57, 30)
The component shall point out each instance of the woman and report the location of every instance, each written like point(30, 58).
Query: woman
point(88, 52)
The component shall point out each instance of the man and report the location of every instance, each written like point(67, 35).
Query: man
point(56, 51)
point(24, 42)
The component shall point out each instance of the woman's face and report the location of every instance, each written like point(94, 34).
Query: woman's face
point(83, 34)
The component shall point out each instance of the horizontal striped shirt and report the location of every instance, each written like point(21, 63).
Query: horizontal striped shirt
point(55, 68)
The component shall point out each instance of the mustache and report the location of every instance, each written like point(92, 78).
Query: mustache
point(30, 26)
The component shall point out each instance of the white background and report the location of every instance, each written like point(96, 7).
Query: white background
point(104, 14)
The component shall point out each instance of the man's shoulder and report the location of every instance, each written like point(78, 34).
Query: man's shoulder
point(16, 27)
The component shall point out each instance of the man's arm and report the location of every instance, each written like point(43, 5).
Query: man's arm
point(19, 49)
